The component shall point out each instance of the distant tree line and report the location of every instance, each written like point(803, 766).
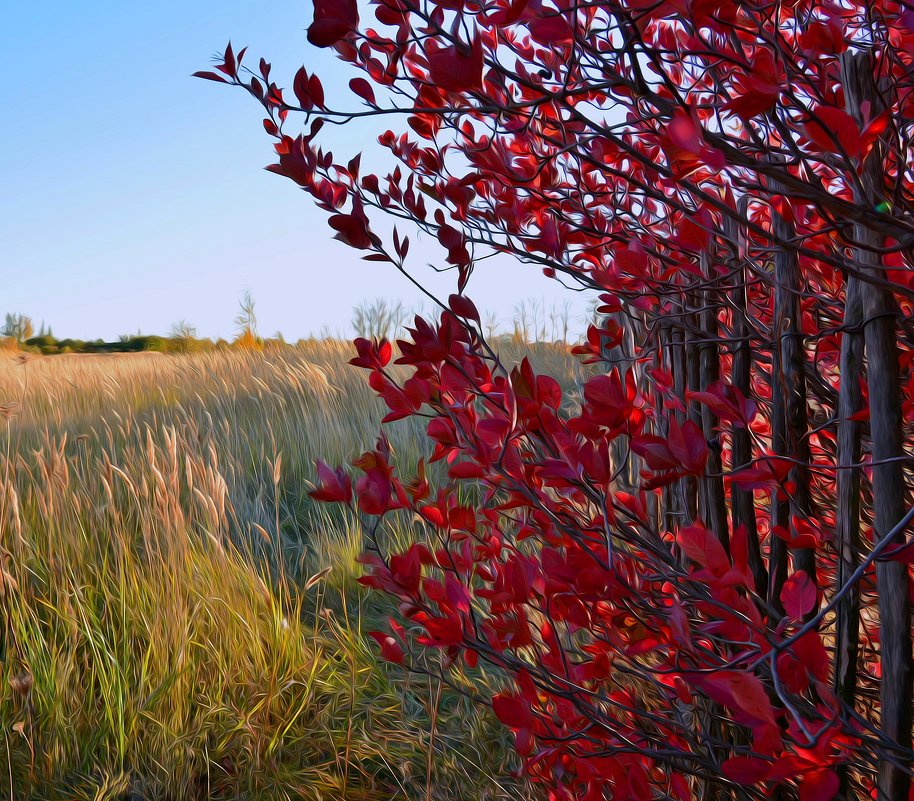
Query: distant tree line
point(377, 319)
point(18, 332)
point(50, 345)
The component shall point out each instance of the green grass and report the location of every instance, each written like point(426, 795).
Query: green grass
point(160, 636)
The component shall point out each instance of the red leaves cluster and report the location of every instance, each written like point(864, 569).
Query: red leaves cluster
point(534, 541)
point(308, 90)
point(681, 452)
point(353, 229)
point(832, 129)
point(728, 403)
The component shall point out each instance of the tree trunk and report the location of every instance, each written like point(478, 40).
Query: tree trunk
point(788, 330)
point(789, 400)
point(847, 526)
point(669, 495)
point(880, 317)
point(847, 522)
point(780, 507)
point(684, 378)
point(889, 507)
point(621, 356)
point(743, 501)
point(714, 499)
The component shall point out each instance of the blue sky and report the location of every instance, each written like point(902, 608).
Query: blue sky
point(134, 195)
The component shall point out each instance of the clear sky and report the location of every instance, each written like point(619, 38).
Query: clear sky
point(134, 195)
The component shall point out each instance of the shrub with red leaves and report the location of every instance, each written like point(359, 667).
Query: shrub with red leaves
point(695, 573)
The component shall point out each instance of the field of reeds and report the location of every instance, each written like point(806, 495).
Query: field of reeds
point(179, 620)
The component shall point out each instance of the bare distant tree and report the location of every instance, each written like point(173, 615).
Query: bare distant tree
point(18, 326)
point(246, 319)
point(533, 320)
point(559, 317)
point(183, 330)
point(379, 319)
point(521, 321)
point(490, 323)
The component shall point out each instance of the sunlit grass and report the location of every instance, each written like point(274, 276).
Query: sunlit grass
point(159, 635)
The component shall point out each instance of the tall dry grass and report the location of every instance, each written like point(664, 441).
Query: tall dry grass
point(179, 620)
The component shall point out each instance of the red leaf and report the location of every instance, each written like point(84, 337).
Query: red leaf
point(758, 89)
point(363, 89)
point(230, 64)
point(746, 770)
point(819, 785)
point(703, 548)
point(466, 470)
point(463, 307)
point(687, 445)
point(798, 595)
point(334, 486)
point(834, 127)
point(654, 450)
point(513, 711)
point(551, 29)
point(761, 475)
point(741, 692)
point(442, 631)
point(209, 76)
point(390, 648)
point(316, 91)
point(334, 20)
point(406, 568)
point(727, 402)
point(308, 90)
point(300, 88)
point(373, 354)
point(823, 38)
point(872, 132)
point(352, 230)
point(373, 491)
point(456, 68)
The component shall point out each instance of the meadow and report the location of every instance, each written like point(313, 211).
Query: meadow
point(180, 620)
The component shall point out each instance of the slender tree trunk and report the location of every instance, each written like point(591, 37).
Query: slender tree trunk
point(780, 506)
point(686, 377)
point(847, 525)
point(669, 495)
point(674, 495)
point(889, 507)
point(880, 319)
point(743, 501)
point(790, 379)
point(620, 356)
point(703, 367)
point(713, 496)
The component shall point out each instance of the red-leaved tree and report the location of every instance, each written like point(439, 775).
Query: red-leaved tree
point(697, 578)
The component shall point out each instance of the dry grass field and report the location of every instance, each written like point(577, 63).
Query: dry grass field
point(179, 620)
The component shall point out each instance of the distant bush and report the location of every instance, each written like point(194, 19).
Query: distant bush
point(74, 345)
point(248, 340)
point(45, 343)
